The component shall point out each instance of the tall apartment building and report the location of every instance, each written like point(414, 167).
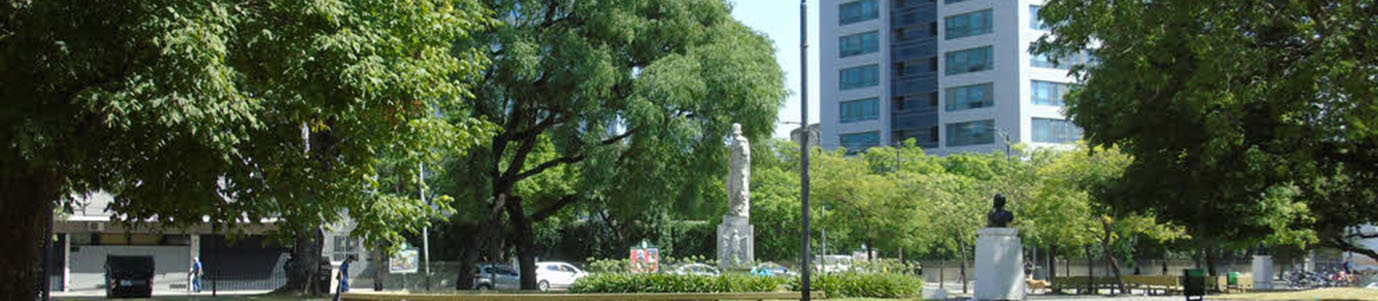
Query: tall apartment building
point(955, 75)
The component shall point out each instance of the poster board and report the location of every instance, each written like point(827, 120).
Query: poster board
point(404, 262)
point(645, 258)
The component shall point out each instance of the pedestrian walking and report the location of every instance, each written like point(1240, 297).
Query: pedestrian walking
point(344, 277)
point(195, 273)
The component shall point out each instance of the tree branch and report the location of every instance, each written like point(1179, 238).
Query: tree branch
point(1362, 235)
point(547, 165)
point(548, 211)
point(1346, 246)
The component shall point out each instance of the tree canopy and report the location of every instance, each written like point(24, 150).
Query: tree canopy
point(234, 111)
point(1249, 121)
point(629, 100)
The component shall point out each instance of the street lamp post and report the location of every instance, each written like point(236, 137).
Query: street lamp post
point(804, 282)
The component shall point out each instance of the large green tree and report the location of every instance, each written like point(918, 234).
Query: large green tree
point(234, 111)
point(1249, 121)
point(637, 96)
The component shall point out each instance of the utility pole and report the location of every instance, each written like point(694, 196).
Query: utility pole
point(804, 282)
point(425, 231)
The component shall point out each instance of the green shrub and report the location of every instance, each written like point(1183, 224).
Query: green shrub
point(669, 283)
point(858, 285)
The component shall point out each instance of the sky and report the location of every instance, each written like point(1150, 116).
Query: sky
point(779, 20)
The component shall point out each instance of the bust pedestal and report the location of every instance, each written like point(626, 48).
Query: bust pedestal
point(736, 243)
point(999, 265)
point(1263, 272)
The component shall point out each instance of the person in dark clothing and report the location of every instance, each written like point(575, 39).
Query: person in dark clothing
point(344, 277)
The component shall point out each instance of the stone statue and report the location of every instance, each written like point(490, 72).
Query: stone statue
point(998, 216)
point(739, 178)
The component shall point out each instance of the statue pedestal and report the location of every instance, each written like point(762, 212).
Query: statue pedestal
point(999, 265)
point(736, 243)
point(1263, 272)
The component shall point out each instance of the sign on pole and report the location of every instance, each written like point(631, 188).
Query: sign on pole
point(403, 262)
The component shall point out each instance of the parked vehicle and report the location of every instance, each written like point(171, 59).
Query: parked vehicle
point(129, 276)
point(554, 274)
point(496, 276)
point(833, 263)
point(697, 269)
point(772, 269)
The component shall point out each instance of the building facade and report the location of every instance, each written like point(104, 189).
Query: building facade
point(247, 261)
point(955, 75)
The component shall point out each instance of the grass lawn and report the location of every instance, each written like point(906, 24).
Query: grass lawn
point(1339, 293)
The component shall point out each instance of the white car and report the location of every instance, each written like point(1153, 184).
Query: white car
point(552, 274)
point(698, 269)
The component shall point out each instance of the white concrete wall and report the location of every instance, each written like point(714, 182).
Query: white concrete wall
point(170, 264)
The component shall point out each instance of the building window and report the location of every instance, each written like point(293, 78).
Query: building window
point(970, 97)
point(1036, 22)
point(953, 1)
point(971, 133)
point(858, 142)
point(933, 63)
point(1048, 130)
point(970, 60)
point(342, 247)
point(860, 110)
point(1064, 63)
point(1047, 93)
point(858, 44)
point(858, 11)
point(933, 28)
point(968, 24)
point(857, 77)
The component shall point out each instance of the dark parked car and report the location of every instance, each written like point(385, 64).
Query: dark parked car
point(128, 276)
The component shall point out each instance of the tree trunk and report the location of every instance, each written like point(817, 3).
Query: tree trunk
point(378, 263)
point(27, 198)
point(1052, 267)
point(304, 267)
point(963, 265)
point(525, 240)
point(1090, 271)
point(1110, 256)
point(1210, 261)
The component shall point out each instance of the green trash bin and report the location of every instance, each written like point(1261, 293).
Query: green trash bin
point(1233, 278)
point(1194, 284)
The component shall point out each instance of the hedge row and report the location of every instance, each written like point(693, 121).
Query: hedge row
point(869, 285)
point(837, 285)
point(669, 283)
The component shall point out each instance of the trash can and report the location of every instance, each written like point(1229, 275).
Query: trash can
point(1194, 284)
point(1233, 279)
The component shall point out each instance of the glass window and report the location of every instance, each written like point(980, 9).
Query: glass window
point(971, 133)
point(970, 97)
point(953, 1)
point(970, 60)
point(343, 246)
point(1047, 93)
point(1064, 63)
point(857, 77)
point(858, 11)
point(1036, 22)
point(1055, 131)
point(968, 24)
point(859, 110)
point(857, 142)
point(858, 44)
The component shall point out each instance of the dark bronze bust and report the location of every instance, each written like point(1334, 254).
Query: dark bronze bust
point(998, 216)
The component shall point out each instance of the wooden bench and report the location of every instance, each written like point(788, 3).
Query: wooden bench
point(1081, 283)
point(1164, 284)
point(399, 296)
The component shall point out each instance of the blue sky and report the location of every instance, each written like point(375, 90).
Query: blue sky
point(779, 20)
